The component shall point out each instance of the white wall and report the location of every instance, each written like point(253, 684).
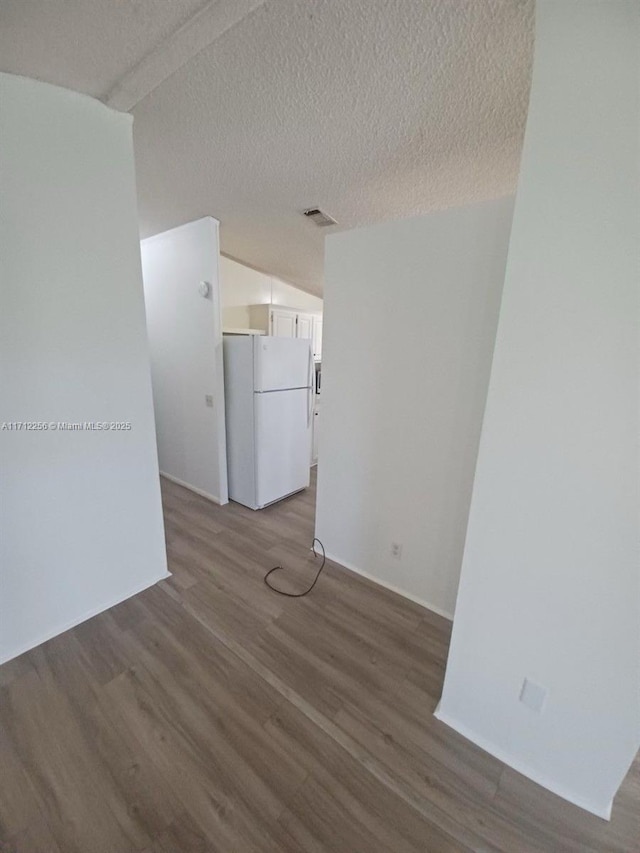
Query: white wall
point(242, 286)
point(410, 316)
point(550, 586)
point(185, 340)
point(80, 511)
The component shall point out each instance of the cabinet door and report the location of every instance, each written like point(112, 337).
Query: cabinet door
point(317, 338)
point(305, 326)
point(283, 323)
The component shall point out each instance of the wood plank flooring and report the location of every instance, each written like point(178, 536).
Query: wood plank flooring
point(208, 714)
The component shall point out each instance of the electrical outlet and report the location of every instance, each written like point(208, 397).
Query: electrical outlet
point(208, 399)
point(533, 695)
point(396, 550)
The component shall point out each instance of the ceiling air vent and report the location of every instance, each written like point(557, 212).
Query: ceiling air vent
point(319, 217)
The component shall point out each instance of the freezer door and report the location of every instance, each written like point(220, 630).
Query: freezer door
point(283, 444)
point(281, 363)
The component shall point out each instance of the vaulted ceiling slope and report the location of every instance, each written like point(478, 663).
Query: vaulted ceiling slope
point(253, 110)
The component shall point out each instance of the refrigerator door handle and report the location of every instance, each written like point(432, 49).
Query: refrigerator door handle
point(310, 390)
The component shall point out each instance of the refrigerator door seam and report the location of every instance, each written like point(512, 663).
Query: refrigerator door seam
point(280, 390)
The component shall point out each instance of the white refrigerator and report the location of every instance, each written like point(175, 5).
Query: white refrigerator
point(269, 408)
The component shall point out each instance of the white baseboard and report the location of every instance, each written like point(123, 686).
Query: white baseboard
point(426, 604)
point(603, 812)
point(193, 489)
point(65, 626)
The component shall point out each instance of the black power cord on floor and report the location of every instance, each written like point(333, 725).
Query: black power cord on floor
point(307, 591)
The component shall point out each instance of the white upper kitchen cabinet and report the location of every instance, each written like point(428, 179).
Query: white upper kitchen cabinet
point(304, 326)
point(283, 324)
point(288, 323)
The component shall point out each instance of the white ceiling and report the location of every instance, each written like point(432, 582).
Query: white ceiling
point(253, 110)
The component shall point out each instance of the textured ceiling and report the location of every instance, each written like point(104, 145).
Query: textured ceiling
point(370, 109)
point(86, 45)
